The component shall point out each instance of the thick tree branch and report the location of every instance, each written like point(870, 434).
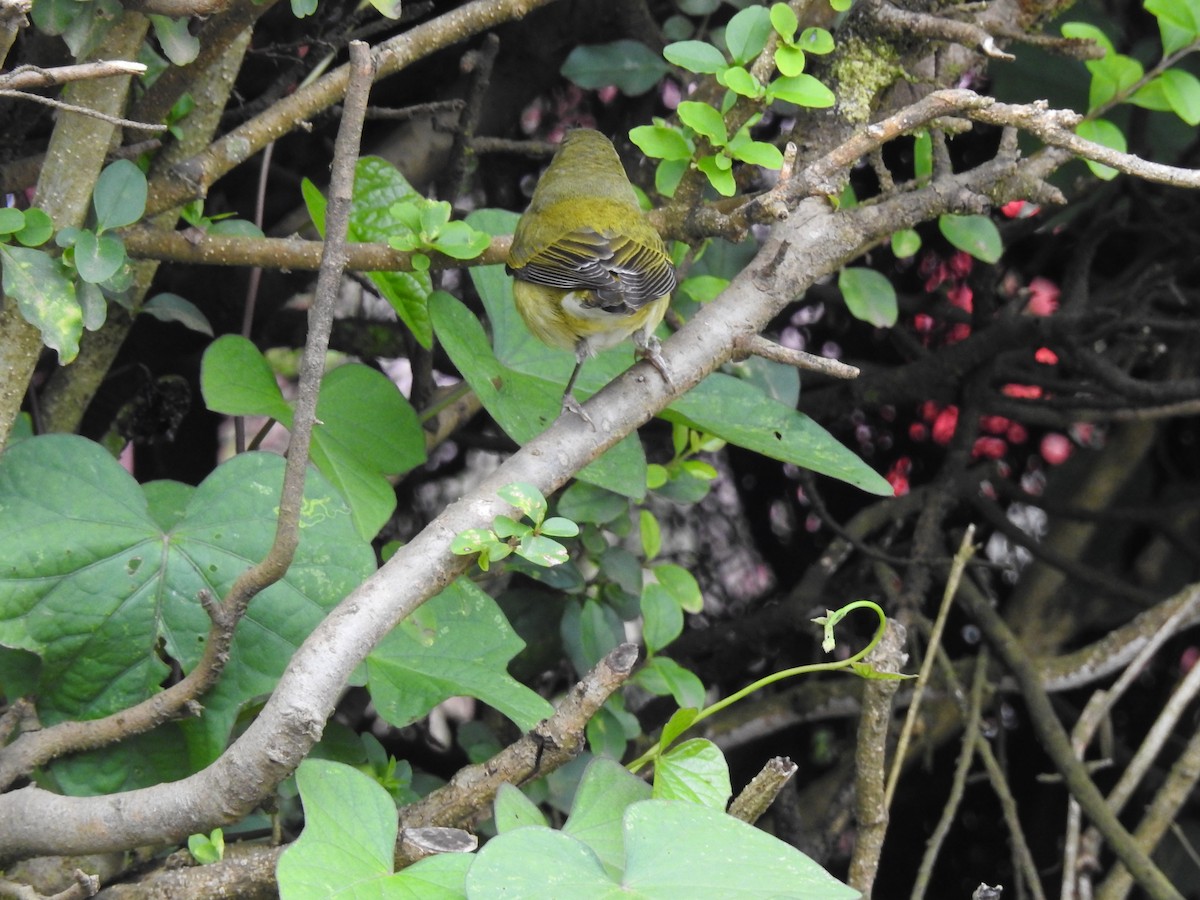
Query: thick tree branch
point(554, 742)
point(196, 248)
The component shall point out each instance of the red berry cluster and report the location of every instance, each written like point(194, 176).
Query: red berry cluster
point(999, 436)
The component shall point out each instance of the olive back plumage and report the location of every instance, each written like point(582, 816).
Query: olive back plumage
point(585, 232)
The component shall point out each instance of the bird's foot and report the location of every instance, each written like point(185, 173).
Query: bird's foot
point(571, 405)
point(651, 351)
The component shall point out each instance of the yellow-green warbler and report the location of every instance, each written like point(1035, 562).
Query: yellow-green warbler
point(589, 268)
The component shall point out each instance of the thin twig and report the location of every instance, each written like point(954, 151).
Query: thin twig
point(966, 550)
point(909, 23)
point(995, 773)
point(406, 113)
point(1098, 707)
point(1160, 815)
point(25, 78)
point(253, 281)
point(329, 278)
point(1163, 729)
point(962, 768)
point(479, 64)
point(757, 345)
point(1012, 819)
point(82, 110)
point(1057, 744)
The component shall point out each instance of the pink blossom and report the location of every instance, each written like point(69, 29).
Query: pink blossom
point(1043, 297)
point(1188, 658)
point(1046, 356)
point(1055, 448)
point(958, 332)
point(922, 323)
point(1017, 433)
point(961, 263)
point(897, 475)
point(1020, 209)
point(989, 448)
point(939, 274)
point(917, 432)
point(671, 94)
point(531, 118)
point(994, 424)
point(944, 425)
point(1022, 391)
point(1086, 434)
point(961, 296)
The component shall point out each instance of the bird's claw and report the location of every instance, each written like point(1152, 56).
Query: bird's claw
point(571, 405)
point(652, 353)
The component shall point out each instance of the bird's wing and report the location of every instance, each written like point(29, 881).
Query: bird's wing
point(644, 273)
point(578, 260)
point(624, 274)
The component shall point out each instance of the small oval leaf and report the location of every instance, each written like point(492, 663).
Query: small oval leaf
point(869, 296)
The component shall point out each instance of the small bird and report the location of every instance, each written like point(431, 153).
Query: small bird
point(589, 269)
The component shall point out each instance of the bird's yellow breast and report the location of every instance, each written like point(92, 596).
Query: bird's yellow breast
point(564, 319)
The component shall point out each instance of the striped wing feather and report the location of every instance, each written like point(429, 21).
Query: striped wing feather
point(624, 274)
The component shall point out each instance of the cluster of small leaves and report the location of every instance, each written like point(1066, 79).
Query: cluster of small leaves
point(180, 110)
point(225, 224)
point(1118, 78)
point(207, 849)
point(425, 225)
point(394, 775)
point(386, 208)
point(119, 199)
point(62, 294)
point(626, 588)
point(507, 535)
point(685, 479)
point(703, 139)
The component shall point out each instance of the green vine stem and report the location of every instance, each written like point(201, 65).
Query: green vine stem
point(829, 621)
